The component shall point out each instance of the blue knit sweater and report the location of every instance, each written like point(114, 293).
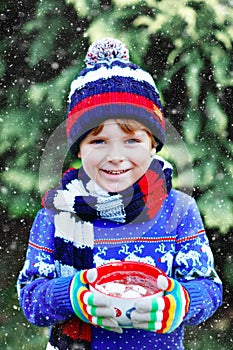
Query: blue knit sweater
point(175, 241)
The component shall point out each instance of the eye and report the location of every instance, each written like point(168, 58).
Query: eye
point(132, 141)
point(97, 142)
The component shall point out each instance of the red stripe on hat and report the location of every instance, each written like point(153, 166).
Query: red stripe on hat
point(91, 102)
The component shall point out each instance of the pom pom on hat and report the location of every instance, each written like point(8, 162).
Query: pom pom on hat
point(112, 87)
point(106, 50)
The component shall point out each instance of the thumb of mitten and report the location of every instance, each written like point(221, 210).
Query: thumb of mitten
point(163, 282)
point(154, 302)
point(91, 275)
point(96, 300)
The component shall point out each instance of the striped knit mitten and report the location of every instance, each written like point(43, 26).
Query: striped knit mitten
point(162, 314)
point(89, 307)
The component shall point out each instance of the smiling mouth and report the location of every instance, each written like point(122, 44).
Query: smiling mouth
point(115, 172)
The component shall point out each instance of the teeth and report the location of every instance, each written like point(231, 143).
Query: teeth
point(115, 172)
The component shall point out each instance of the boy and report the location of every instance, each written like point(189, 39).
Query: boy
point(118, 206)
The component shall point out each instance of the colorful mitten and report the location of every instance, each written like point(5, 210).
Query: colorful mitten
point(162, 314)
point(89, 307)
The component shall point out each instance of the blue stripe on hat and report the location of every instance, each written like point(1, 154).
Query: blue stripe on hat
point(116, 84)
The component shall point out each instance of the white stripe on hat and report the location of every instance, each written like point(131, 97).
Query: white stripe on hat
point(105, 73)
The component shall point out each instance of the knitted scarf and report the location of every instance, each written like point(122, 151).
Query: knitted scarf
point(79, 202)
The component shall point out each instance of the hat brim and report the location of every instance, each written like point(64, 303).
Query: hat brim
point(84, 121)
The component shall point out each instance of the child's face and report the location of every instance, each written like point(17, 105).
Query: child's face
point(116, 159)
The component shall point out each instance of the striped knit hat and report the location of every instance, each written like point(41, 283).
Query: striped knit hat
point(112, 87)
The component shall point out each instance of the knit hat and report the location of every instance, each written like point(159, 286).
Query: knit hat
point(112, 87)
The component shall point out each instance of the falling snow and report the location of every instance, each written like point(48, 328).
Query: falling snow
point(188, 50)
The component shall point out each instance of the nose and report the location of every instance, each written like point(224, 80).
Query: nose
point(115, 153)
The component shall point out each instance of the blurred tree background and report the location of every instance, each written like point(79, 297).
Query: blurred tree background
point(187, 47)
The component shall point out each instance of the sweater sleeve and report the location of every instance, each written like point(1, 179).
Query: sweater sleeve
point(43, 295)
point(194, 266)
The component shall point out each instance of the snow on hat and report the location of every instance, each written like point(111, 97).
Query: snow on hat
point(112, 87)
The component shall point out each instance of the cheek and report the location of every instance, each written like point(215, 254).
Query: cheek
point(142, 164)
point(91, 161)
point(85, 154)
point(89, 167)
point(143, 154)
point(144, 159)
point(88, 161)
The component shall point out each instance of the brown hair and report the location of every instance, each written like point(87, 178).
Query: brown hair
point(129, 127)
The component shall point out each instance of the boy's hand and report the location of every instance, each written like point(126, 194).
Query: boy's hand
point(89, 307)
point(162, 314)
